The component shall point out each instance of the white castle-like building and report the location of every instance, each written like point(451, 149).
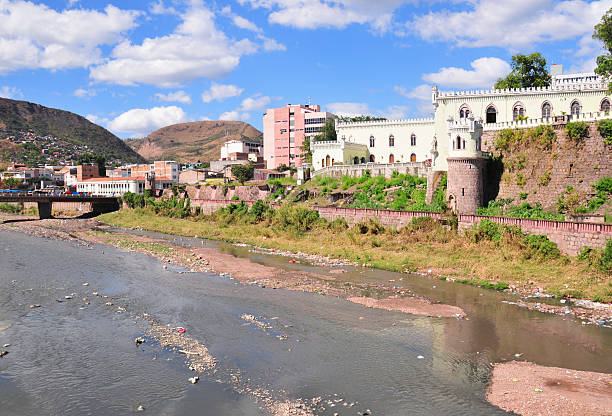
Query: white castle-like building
point(454, 133)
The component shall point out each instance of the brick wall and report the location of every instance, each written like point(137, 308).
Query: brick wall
point(578, 165)
point(465, 184)
point(571, 237)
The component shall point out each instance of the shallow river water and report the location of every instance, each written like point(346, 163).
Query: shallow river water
point(69, 358)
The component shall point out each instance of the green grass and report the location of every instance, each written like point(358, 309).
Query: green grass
point(418, 247)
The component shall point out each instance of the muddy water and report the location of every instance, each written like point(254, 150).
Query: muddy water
point(69, 358)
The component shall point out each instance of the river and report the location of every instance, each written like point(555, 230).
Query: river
point(74, 358)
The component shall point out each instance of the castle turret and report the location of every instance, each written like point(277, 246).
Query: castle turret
point(466, 166)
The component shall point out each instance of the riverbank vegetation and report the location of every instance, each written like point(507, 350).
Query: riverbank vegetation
point(490, 255)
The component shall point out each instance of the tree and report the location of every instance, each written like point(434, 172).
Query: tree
point(328, 134)
point(603, 32)
point(10, 183)
point(527, 71)
point(243, 173)
point(100, 160)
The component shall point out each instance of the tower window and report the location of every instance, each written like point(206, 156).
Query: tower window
point(413, 140)
point(391, 141)
point(372, 141)
point(546, 110)
point(605, 105)
point(491, 114)
point(575, 108)
point(518, 111)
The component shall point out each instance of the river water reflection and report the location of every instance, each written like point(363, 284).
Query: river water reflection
point(69, 358)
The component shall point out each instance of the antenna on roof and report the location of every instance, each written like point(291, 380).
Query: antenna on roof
point(309, 101)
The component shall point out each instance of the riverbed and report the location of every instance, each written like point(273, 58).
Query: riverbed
point(75, 353)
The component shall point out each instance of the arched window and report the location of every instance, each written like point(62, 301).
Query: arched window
point(413, 157)
point(491, 114)
point(464, 111)
point(372, 158)
point(391, 158)
point(605, 106)
point(363, 160)
point(575, 108)
point(546, 110)
point(327, 159)
point(413, 140)
point(355, 160)
point(518, 111)
point(457, 143)
point(391, 141)
point(372, 141)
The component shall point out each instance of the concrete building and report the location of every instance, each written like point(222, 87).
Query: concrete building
point(112, 186)
point(285, 130)
point(451, 141)
point(165, 172)
point(241, 149)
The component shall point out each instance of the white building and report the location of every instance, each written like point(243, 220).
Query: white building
point(571, 96)
point(112, 186)
point(233, 148)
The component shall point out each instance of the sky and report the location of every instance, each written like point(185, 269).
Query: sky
point(135, 66)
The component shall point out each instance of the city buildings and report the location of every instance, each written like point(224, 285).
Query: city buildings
point(285, 130)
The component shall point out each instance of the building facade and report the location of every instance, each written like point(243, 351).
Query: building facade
point(236, 149)
point(285, 130)
point(451, 140)
point(111, 186)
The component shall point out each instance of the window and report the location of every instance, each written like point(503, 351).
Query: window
point(413, 157)
point(605, 106)
point(413, 140)
point(457, 143)
point(391, 158)
point(518, 111)
point(355, 160)
point(372, 158)
point(391, 141)
point(491, 114)
point(372, 141)
point(575, 108)
point(464, 111)
point(546, 110)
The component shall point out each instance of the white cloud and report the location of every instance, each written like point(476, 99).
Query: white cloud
point(220, 92)
point(234, 115)
point(36, 36)
point(178, 96)
point(256, 102)
point(85, 93)
point(348, 109)
point(10, 92)
point(516, 24)
point(272, 45)
point(484, 73)
point(395, 112)
point(159, 8)
point(422, 95)
point(195, 49)
point(141, 121)
point(96, 119)
point(311, 14)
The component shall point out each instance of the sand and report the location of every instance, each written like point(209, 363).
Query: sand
point(532, 390)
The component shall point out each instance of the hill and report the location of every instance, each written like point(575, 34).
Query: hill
point(34, 133)
point(190, 142)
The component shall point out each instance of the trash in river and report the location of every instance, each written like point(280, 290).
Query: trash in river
point(139, 340)
point(180, 329)
point(538, 390)
point(420, 357)
point(85, 284)
point(140, 408)
point(515, 379)
point(3, 353)
point(36, 305)
point(518, 355)
point(68, 297)
point(6, 345)
point(109, 303)
point(194, 380)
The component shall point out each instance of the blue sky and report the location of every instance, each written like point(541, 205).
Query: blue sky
point(135, 66)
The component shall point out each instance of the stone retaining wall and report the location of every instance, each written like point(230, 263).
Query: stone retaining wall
point(395, 219)
point(81, 207)
point(571, 237)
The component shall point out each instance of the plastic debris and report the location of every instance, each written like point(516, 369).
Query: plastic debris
point(140, 408)
point(180, 330)
point(139, 340)
point(538, 390)
point(194, 380)
point(3, 353)
point(420, 357)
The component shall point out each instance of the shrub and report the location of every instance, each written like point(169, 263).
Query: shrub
point(523, 195)
point(134, 200)
point(371, 226)
point(545, 179)
point(605, 262)
point(577, 130)
point(243, 173)
point(541, 246)
point(338, 225)
point(487, 230)
point(11, 208)
point(296, 217)
point(521, 180)
point(259, 211)
point(605, 129)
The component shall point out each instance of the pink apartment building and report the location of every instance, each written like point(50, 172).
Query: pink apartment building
point(286, 128)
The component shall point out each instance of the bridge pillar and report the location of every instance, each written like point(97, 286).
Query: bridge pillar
point(104, 207)
point(44, 210)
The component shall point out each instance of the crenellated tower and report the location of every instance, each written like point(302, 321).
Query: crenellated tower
point(466, 165)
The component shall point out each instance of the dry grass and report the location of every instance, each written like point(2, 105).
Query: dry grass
point(445, 252)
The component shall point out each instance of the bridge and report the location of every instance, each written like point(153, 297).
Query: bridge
point(99, 204)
